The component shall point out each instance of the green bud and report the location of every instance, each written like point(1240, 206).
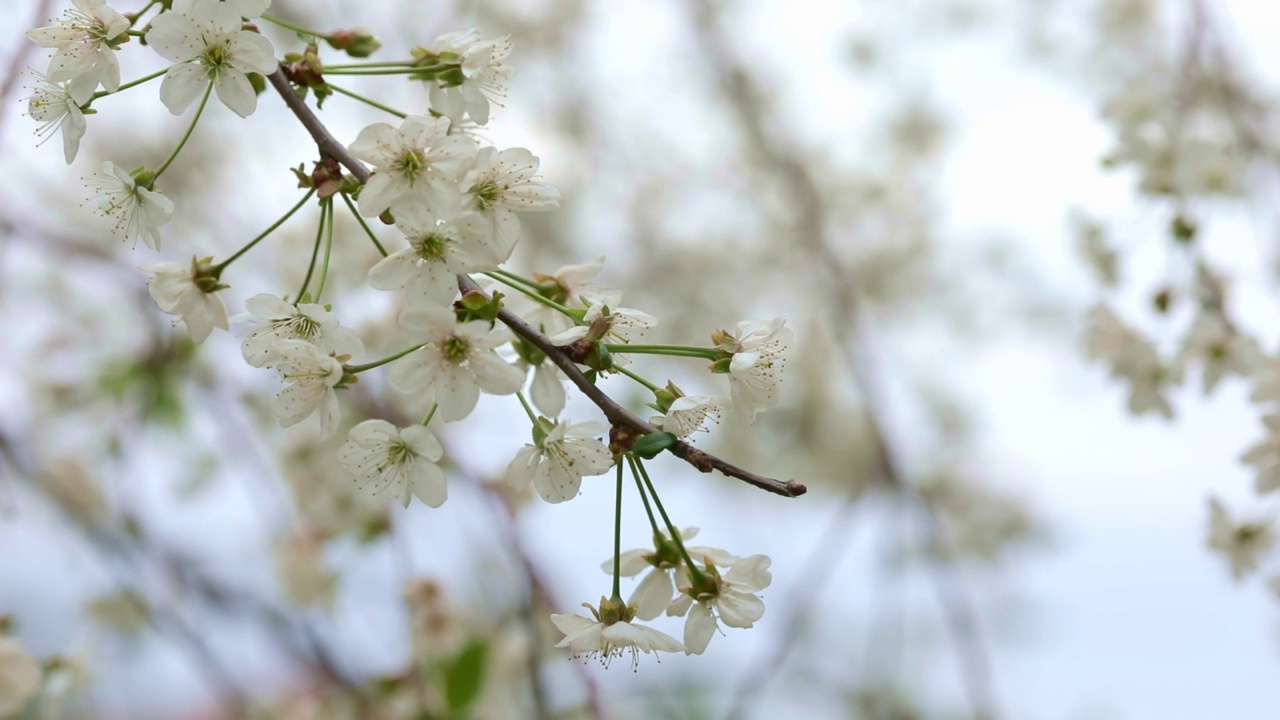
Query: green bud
point(143, 177)
point(721, 366)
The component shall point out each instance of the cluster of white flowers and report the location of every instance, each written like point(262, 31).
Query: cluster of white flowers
point(1185, 123)
point(697, 591)
point(456, 205)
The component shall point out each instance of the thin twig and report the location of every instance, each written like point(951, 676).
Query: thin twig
point(616, 414)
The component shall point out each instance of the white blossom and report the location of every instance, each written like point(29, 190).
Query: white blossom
point(312, 376)
point(419, 162)
point(730, 599)
point(482, 80)
point(565, 286)
point(278, 320)
point(438, 252)
point(19, 677)
point(176, 291)
point(594, 637)
point(456, 362)
point(398, 462)
point(1266, 381)
point(656, 589)
point(605, 321)
point(1133, 359)
point(1265, 456)
point(84, 44)
point(56, 106)
point(689, 414)
point(137, 211)
point(558, 462)
point(1241, 543)
point(207, 42)
point(755, 370)
point(1220, 349)
point(500, 184)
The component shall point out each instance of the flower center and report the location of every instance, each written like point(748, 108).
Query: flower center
point(411, 164)
point(399, 454)
point(216, 56)
point(455, 349)
point(431, 246)
point(487, 193)
point(304, 327)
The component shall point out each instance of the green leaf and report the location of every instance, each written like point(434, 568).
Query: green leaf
point(465, 676)
point(650, 445)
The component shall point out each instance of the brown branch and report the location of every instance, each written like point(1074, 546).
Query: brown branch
point(615, 413)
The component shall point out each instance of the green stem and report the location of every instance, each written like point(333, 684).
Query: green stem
point(356, 214)
point(135, 33)
point(672, 350)
point(518, 278)
point(327, 219)
point(358, 66)
point(644, 497)
point(138, 15)
point(357, 369)
point(535, 296)
point(617, 541)
point(367, 101)
point(430, 414)
point(296, 28)
point(190, 128)
point(675, 535)
point(637, 378)
point(223, 265)
point(311, 267)
point(126, 86)
point(402, 70)
point(533, 417)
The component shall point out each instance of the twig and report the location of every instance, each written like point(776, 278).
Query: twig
point(616, 414)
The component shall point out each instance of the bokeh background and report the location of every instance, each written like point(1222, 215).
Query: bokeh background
point(988, 532)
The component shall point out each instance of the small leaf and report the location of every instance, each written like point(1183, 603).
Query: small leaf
point(465, 676)
point(650, 445)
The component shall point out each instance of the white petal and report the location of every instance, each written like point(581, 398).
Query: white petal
point(429, 483)
point(235, 91)
point(653, 594)
point(698, 629)
point(182, 85)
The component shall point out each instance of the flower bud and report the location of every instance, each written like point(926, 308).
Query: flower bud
point(356, 42)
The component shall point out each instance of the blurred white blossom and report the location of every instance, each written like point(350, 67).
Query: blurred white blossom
point(1241, 543)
